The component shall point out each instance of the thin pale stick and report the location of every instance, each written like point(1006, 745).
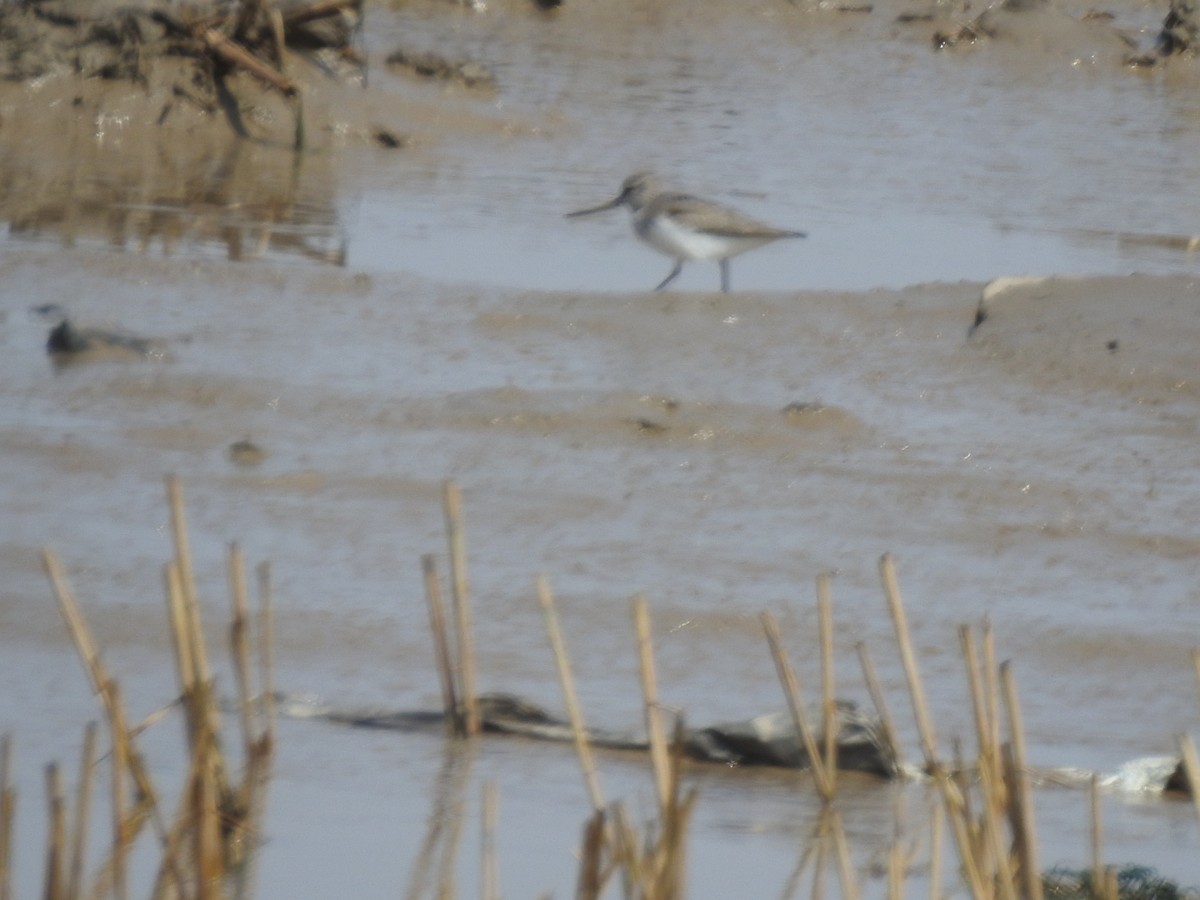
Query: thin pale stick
point(654, 728)
point(102, 685)
point(266, 650)
point(578, 731)
point(791, 690)
point(441, 646)
point(83, 803)
point(178, 619)
point(452, 503)
point(1028, 853)
point(891, 589)
point(828, 696)
point(991, 685)
point(187, 578)
point(879, 701)
point(239, 641)
point(121, 835)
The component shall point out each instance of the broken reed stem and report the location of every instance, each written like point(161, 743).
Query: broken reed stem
point(880, 703)
point(178, 618)
point(452, 504)
point(8, 802)
point(121, 832)
point(1026, 842)
point(578, 732)
point(1191, 765)
point(102, 685)
point(891, 589)
point(266, 651)
point(187, 580)
point(828, 697)
point(56, 840)
point(991, 686)
point(83, 803)
point(653, 715)
point(791, 690)
point(491, 871)
point(441, 645)
point(239, 648)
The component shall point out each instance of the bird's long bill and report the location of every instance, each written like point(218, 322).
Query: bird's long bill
point(611, 204)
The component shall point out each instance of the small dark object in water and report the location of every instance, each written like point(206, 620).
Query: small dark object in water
point(388, 139)
point(547, 5)
point(68, 341)
point(1113, 346)
point(246, 453)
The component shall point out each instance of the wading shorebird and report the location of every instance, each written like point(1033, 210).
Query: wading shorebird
point(685, 227)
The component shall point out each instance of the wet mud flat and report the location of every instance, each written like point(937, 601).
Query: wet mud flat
point(715, 452)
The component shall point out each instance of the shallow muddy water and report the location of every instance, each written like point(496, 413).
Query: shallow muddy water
point(716, 452)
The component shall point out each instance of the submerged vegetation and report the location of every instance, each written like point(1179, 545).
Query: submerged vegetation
point(207, 844)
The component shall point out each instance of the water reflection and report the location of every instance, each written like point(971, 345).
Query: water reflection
point(433, 869)
point(244, 201)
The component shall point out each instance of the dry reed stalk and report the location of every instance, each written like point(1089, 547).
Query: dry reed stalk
point(791, 690)
point(452, 504)
point(593, 869)
point(995, 861)
point(239, 649)
point(56, 840)
point(1191, 766)
point(991, 684)
point(441, 646)
point(491, 870)
point(83, 803)
point(1026, 834)
point(578, 731)
point(187, 581)
point(177, 614)
point(102, 685)
point(650, 708)
point(8, 803)
point(880, 703)
point(266, 651)
point(828, 696)
point(891, 589)
point(122, 832)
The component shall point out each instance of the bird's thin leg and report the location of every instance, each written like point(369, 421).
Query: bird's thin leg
point(725, 276)
point(671, 277)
